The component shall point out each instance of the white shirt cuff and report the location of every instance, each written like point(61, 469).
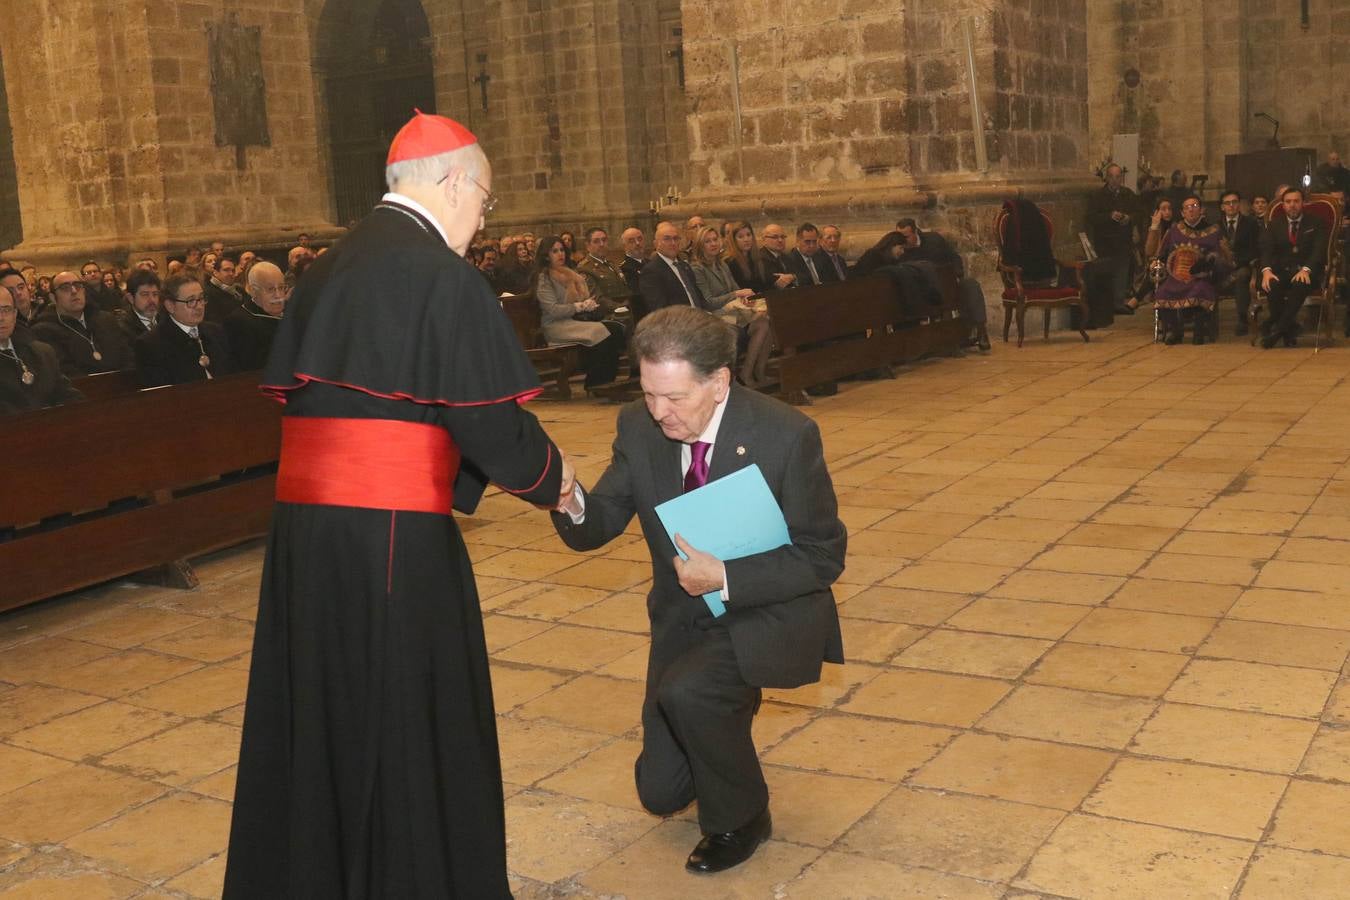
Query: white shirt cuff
point(577, 518)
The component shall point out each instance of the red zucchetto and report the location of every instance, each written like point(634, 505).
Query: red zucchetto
point(426, 135)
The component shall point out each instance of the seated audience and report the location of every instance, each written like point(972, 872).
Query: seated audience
point(570, 245)
point(183, 347)
point(776, 261)
point(148, 264)
point(95, 293)
point(933, 247)
point(666, 279)
point(1196, 258)
point(634, 257)
point(515, 272)
point(1332, 175)
point(86, 339)
point(30, 374)
point(606, 282)
point(747, 262)
point(830, 237)
point(222, 291)
point(563, 297)
point(252, 327)
point(1260, 207)
point(25, 309)
point(692, 227)
point(140, 310)
point(1293, 255)
point(806, 260)
point(1243, 237)
point(885, 252)
point(42, 292)
point(1160, 223)
point(725, 299)
point(487, 264)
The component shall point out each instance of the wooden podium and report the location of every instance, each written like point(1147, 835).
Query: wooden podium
point(1261, 171)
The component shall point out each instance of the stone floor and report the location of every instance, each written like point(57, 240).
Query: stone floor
point(1097, 614)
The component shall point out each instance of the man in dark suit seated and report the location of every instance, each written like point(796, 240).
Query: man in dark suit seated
point(140, 310)
point(86, 339)
point(808, 263)
point(30, 375)
point(1243, 237)
point(221, 292)
point(830, 237)
point(182, 347)
point(634, 257)
point(933, 247)
point(705, 674)
point(22, 294)
point(773, 241)
point(1293, 254)
point(666, 279)
point(252, 327)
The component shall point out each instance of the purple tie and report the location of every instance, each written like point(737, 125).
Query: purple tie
point(697, 476)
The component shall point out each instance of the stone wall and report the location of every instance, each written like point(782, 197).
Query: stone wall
point(1206, 68)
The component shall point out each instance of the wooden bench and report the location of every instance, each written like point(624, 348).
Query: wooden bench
point(107, 384)
point(559, 362)
point(132, 483)
point(832, 331)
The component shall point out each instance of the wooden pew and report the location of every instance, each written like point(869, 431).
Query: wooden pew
point(132, 483)
point(107, 384)
point(831, 331)
point(560, 362)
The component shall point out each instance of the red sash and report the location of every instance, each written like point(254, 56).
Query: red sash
point(367, 463)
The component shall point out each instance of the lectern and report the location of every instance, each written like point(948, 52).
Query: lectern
point(1261, 171)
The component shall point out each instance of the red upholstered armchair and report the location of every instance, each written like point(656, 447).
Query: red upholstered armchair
point(1323, 296)
point(1019, 295)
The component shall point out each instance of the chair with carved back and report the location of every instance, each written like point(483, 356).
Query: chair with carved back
point(1323, 296)
point(1019, 294)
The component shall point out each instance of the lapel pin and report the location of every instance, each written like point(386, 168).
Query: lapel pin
point(740, 451)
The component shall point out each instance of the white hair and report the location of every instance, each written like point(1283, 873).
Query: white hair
point(260, 267)
point(431, 169)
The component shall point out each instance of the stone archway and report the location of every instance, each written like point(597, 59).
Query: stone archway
point(373, 59)
point(11, 225)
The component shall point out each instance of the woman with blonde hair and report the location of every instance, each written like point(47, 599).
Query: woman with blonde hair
point(724, 298)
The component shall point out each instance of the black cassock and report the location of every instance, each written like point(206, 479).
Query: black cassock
point(369, 766)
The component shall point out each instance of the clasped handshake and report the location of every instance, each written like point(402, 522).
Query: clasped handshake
point(699, 573)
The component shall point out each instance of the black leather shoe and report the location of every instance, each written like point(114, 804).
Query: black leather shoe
point(826, 389)
point(1269, 341)
point(719, 852)
point(1172, 338)
point(1290, 340)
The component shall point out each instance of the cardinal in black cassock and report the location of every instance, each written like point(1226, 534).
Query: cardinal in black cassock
point(369, 766)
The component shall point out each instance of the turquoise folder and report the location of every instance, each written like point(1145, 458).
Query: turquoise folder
point(730, 518)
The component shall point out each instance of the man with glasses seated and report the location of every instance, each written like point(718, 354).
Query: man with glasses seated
point(22, 293)
point(86, 339)
point(30, 375)
point(252, 327)
point(183, 347)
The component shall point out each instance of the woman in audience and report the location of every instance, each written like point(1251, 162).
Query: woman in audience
point(1158, 226)
point(569, 241)
point(885, 252)
point(42, 293)
point(515, 274)
point(724, 299)
point(745, 260)
point(570, 315)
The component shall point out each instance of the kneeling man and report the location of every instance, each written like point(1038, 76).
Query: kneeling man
point(704, 674)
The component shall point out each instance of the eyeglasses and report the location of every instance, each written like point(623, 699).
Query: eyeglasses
point(489, 198)
point(191, 302)
point(8, 311)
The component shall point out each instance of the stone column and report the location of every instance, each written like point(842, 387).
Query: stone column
point(862, 113)
point(115, 135)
